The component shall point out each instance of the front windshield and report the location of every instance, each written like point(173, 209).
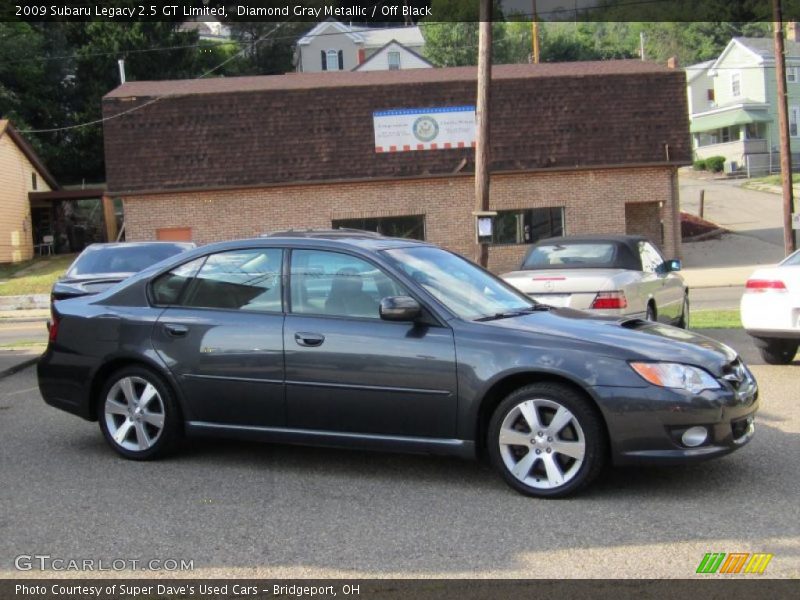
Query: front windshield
point(463, 287)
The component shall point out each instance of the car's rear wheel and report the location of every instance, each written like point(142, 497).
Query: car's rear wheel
point(138, 414)
point(778, 352)
point(546, 440)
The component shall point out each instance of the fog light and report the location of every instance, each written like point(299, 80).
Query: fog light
point(694, 436)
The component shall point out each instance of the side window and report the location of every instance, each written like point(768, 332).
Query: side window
point(651, 257)
point(331, 283)
point(240, 280)
point(168, 287)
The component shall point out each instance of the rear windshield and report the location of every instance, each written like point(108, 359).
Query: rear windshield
point(568, 256)
point(99, 260)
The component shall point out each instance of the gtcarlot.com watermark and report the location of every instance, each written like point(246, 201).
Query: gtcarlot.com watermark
point(47, 562)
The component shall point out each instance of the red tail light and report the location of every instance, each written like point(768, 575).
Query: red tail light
point(759, 286)
point(605, 300)
point(52, 326)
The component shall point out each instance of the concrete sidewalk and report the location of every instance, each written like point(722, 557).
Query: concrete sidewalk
point(33, 315)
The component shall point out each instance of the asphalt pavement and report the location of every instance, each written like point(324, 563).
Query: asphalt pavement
point(261, 510)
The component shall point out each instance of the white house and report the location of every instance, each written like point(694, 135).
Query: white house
point(208, 29)
point(732, 103)
point(335, 46)
point(393, 56)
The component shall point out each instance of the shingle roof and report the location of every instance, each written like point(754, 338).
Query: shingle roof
point(312, 127)
point(765, 47)
point(342, 79)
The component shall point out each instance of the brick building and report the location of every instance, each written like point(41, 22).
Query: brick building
point(575, 148)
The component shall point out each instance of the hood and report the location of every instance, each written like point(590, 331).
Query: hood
point(625, 338)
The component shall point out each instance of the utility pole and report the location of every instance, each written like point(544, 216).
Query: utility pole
point(535, 36)
point(783, 128)
point(482, 120)
point(641, 44)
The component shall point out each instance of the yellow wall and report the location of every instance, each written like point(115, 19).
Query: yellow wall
point(16, 240)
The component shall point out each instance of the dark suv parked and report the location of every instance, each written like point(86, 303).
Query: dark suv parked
point(351, 339)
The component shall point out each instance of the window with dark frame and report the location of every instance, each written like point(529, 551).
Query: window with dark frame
point(394, 61)
point(527, 226)
point(34, 181)
point(411, 226)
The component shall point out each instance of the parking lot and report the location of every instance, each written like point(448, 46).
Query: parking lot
point(241, 509)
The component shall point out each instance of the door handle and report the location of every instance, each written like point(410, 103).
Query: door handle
point(175, 330)
point(309, 339)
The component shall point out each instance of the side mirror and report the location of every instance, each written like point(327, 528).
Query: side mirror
point(399, 308)
point(673, 265)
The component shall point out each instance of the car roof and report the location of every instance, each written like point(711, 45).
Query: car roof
point(317, 238)
point(594, 238)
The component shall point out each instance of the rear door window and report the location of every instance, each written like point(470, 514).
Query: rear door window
point(247, 279)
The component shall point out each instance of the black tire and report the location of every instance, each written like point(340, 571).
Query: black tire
point(684, 322)
point(577, 475)
point(778, 352)
point(164, 405)
point(651, 314)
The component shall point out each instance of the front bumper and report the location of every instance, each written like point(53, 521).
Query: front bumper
point(645, 424)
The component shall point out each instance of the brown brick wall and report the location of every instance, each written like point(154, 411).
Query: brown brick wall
point(644, 218)
point(594, 200)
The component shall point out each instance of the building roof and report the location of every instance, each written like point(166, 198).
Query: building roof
point(6, 128)
point(314, 127)
point(392, 44)
point(408, 36)
point(369, 37)
point(765, 47)
point(345, 79)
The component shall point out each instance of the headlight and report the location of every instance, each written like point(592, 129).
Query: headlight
point(676, 375)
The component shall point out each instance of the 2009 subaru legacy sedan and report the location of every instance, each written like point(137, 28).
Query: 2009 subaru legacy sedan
point(343, 338)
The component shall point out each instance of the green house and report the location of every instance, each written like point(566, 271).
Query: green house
point(732, 104)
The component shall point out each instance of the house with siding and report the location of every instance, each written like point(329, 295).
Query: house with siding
point(576, 148)
point(21, 172)
point(335, 46)
point(732, 103)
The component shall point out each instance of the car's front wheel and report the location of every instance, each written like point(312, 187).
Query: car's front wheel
point(547, 440)
point(138, 414)
point(778, 352)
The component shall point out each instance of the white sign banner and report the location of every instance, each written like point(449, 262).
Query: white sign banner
point(409, 129)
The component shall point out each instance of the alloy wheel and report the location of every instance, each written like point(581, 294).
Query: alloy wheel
point(134, 414)
point(542, 443)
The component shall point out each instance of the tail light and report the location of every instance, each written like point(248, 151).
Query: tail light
point(605, 300)
point(759, 286)
point(52, 326)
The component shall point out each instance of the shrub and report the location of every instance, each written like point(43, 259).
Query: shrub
point(699, 165)
point(715, 163)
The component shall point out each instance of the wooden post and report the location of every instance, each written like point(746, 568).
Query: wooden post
point(482, 120)
point(535, 36)
point(702, 203)
point(783, 128)
point(110, 219)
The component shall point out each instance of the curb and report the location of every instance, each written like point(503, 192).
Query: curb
point(20, 366)
point(708, 235)
point(23, 320)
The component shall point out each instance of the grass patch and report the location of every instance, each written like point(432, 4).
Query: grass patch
point(716, 319)
point(34, 276)
point(775, 179)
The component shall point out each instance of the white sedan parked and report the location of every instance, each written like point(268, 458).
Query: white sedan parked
point(771, 310)
point(607, 275)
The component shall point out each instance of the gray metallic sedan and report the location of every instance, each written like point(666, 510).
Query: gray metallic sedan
point(356, 340)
